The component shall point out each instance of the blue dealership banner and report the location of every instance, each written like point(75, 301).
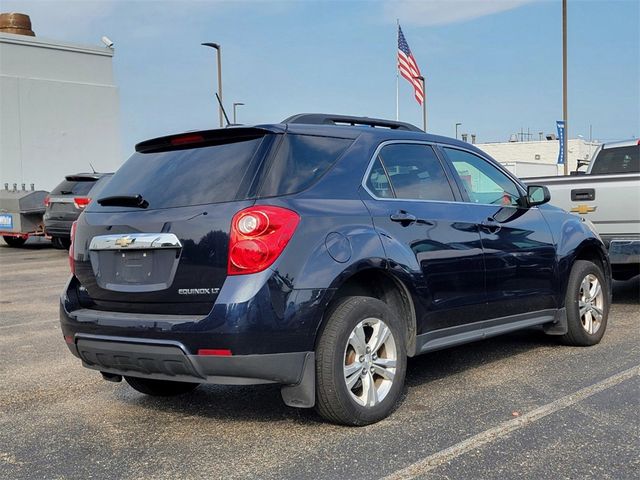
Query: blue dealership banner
point(561, 152)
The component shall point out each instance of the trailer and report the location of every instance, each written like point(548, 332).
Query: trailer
point(21, 214)
point(58, 110)
point(531, 169)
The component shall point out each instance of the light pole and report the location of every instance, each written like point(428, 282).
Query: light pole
point(234, 110)
point(564, 87)
point(424, 103)
point(218, 49)
point(457, 125)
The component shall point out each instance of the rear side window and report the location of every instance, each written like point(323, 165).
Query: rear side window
point(193, 176)
point(617, 160)
point(409, 171)
point(299, 161)
point(67, 187)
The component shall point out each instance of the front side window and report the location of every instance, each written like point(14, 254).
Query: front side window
point(483, 182)
point(409, 171)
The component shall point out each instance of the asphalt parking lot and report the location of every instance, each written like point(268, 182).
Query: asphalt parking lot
point(518, 406)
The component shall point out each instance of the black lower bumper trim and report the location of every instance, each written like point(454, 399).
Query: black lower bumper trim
point(170, 362)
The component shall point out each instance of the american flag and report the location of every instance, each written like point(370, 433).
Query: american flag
point(408, 67)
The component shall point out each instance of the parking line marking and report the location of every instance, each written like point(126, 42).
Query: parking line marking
point(27, 323)
point(444, 456)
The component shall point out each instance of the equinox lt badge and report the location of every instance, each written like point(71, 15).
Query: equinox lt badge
point(198, 291)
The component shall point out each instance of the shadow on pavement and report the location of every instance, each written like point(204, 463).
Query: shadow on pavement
point(627, 292)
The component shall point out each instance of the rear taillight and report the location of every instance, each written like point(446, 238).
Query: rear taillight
point(47, 201)
point(72, 263)
point(81, 202)
point(186, 140)
point(258, 236)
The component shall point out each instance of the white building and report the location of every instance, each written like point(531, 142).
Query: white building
point(538, 158)
point(59, 111)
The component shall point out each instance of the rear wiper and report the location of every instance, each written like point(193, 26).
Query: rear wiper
point(124, 201)
point(65, 192)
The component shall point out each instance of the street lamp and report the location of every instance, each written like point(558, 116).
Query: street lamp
point(235, 104)
point(219, 56)
point(457, 125)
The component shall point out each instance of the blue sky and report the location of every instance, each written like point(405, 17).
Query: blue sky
point(493, 65)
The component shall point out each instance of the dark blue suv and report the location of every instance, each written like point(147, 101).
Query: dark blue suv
point(318, 253)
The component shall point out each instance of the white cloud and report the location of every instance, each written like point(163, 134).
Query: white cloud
point(442, 12)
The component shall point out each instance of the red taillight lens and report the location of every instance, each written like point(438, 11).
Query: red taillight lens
point(72, 263)
point(217, 352)
point(81, 202)
point(47, 201)
point(258, 236)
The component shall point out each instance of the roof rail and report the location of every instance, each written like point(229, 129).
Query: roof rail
point(330, 119)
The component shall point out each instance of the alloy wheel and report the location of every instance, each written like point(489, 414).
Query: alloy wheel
point(591, 303)
point(370, 359)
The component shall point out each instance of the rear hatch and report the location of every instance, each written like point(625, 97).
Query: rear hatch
point(70, 197)
point(156, 240)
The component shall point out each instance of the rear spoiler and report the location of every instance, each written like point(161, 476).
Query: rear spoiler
point(83, 177)
point(203, 138)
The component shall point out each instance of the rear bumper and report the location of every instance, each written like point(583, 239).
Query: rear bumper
point(624, 251)
point(58, 228)
point(169, 360)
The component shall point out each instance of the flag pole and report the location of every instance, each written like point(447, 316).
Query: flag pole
point(424, 102)
point(397, 73)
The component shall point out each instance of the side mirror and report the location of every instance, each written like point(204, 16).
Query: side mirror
point(537, 195)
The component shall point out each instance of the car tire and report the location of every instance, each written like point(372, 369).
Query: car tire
point(61, 243)
point(14, 242)
point(160, 388)
point(359, 377)
point(587, 304)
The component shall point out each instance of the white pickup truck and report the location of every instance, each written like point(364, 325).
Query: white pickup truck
point(608, 195)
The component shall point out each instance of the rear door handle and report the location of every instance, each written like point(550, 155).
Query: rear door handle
point(490, 225)
point(404, 217)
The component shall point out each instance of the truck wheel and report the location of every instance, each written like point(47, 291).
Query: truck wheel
point(14, 241)
point(587, 304)
point(160, 388)
point(360, 362)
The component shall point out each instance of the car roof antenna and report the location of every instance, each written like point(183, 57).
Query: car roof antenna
point(92, 169)
point(223, 110)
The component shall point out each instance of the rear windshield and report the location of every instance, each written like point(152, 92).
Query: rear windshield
point(74, 188)
point(193, 176)
point(299, 161)
point(617, 160)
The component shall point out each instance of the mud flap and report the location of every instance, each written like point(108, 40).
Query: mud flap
point(303, 394)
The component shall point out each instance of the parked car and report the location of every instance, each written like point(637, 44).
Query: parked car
point(67, 201)
point(318, 254)
point(608, 195)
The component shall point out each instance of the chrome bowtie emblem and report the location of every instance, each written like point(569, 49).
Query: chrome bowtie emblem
point(124, 241)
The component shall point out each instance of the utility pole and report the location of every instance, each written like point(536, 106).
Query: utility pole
point(564, 87)
point(457, 125)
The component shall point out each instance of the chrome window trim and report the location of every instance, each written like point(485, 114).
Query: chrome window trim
point(135, 241)
point(363, 184)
